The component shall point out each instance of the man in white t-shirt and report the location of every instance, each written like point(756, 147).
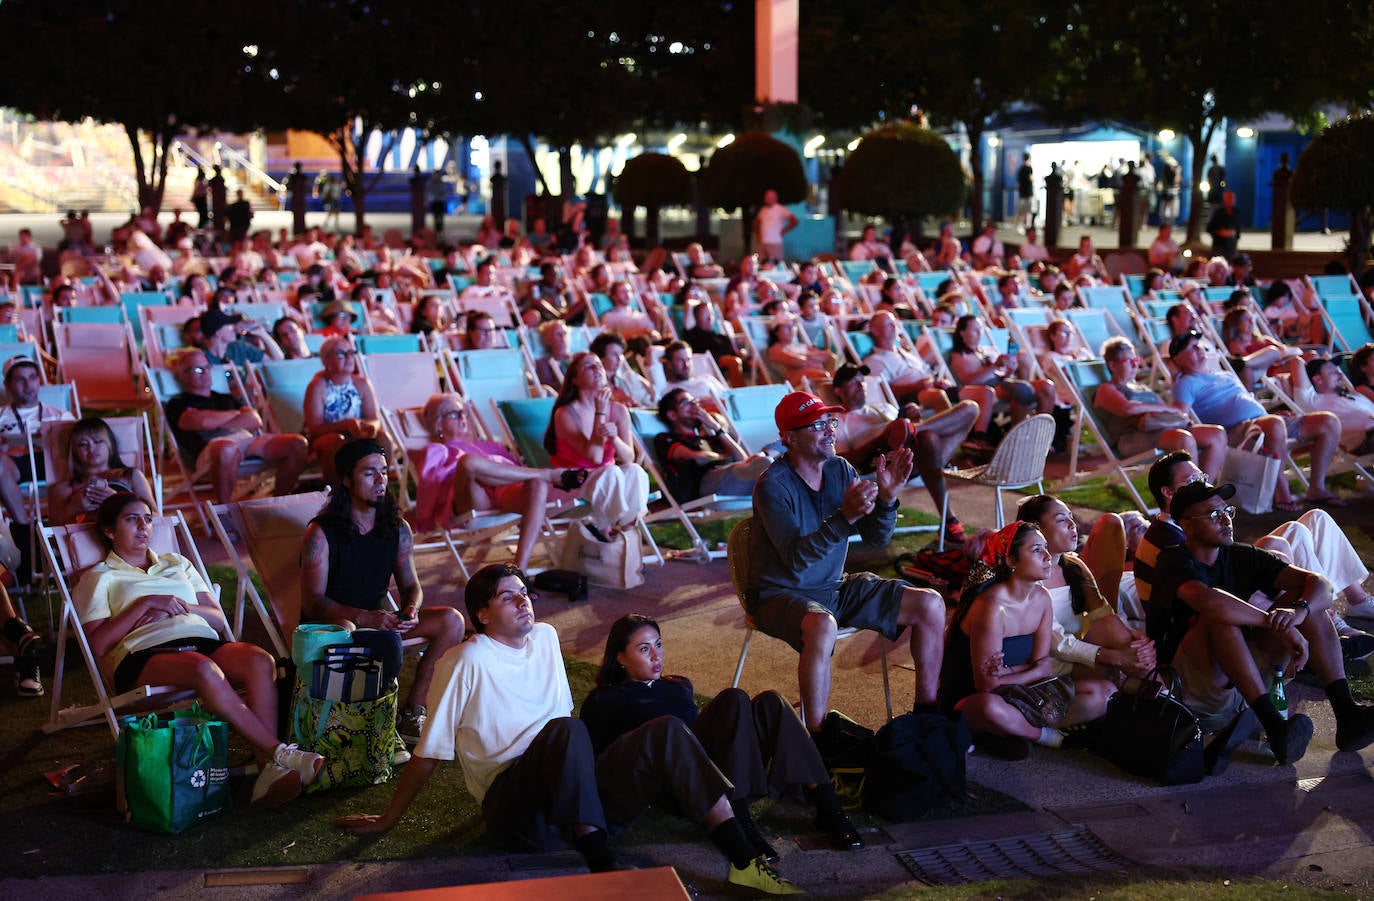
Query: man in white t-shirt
point(677, 373)
point(772, 222)
point(1317, 385)
point(500, 705)
point(1030, 251)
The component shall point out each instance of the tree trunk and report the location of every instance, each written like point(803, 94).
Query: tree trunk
point(747, 221)
point(975, 161)
point(528, 144)
point(567, 186)
point(627, 222)
point(140, 170)
point(164, 144)
point(653, 235)
point(1361, 224)
point(1198, 138)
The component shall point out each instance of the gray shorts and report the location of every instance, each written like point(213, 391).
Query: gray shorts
point(1215, 706)
point(1236, 433)
point(864, 601)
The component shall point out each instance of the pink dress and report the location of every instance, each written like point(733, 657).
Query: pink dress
point(434, 492)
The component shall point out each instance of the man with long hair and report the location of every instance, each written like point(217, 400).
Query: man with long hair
point(353, 550)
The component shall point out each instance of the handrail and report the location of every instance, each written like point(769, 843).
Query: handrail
point(239, 159)
point(191, 155)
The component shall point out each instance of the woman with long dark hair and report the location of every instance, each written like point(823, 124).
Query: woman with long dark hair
point(759, 744)
point(589, 430)
point(998, 668)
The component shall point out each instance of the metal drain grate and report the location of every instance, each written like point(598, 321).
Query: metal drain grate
point(1076, 851)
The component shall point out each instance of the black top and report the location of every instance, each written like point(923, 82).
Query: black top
point(684, 476)
point(612, 710)
point(193, 442)
point(1241, 569)
point(705, 341)
point(360, 566)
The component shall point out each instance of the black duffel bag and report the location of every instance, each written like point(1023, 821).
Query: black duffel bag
point(1152, 733)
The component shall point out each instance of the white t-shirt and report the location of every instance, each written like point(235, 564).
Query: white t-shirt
point(898, 367)
point(771, 220)
point(1356, 413)
point(488, 701)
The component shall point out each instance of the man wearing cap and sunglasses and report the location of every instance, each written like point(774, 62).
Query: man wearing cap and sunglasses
point(1203, 617)
point(806, 505)
point(229, 338)
point(22, 415)
point(1219, 399)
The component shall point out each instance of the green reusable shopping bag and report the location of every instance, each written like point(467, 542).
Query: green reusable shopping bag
point(357, 739)
point(172, 771)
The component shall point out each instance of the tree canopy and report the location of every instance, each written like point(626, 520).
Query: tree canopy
point(1336, 172)
point(754, 162)
point(899, 171)
point(1189, 67)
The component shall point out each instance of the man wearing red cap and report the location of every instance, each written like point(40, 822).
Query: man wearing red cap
point(806, 505)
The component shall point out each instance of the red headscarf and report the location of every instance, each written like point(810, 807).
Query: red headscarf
point(998, 546)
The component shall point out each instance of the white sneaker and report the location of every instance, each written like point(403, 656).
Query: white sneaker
point(275, 786)
point(400, 755)
point(1363, 610)
point(305, 764)
point(1343, 628)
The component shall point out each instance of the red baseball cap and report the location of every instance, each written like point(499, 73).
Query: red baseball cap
point(799, 408)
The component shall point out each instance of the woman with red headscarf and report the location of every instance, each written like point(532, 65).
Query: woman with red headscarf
point(998, 668)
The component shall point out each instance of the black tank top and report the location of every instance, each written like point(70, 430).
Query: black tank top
point(360, 566)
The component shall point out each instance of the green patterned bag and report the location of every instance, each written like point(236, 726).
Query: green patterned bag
point(356, 739)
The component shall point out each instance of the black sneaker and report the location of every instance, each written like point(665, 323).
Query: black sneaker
point(1355, 730)
point(28, 680)
point(1217, 755)
point(1003, 747)
point(1290, 742)
point(1356, 646)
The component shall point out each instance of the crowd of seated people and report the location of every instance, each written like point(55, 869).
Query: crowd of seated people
point(611, 338)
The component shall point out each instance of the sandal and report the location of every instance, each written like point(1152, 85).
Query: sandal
point(1332, 501)
point(1291, 505)
point(572, 479)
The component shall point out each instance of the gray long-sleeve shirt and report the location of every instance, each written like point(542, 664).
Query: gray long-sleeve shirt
point(800, 539)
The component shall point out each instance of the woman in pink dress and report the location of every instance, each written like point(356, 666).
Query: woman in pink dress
point(459, 474)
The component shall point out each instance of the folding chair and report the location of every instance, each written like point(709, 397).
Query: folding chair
point(69, 552)
point(1018, 461)
point(739, 551)
point(749, 412)
point(391, 344)
point(283, 384)
point(485, 377)
point(482, 529)
point(135, 450)
point(403, 379)
point(1084, 378)
point(647, 426)
point(100, 359)
point(268, 531)
point(523, 422)
point(164, 386)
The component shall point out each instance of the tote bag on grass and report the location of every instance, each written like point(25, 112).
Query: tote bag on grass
point(172, 771)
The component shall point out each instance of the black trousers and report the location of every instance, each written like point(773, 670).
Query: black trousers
point(759, 744)
point(534, 803)
point(663, 762)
